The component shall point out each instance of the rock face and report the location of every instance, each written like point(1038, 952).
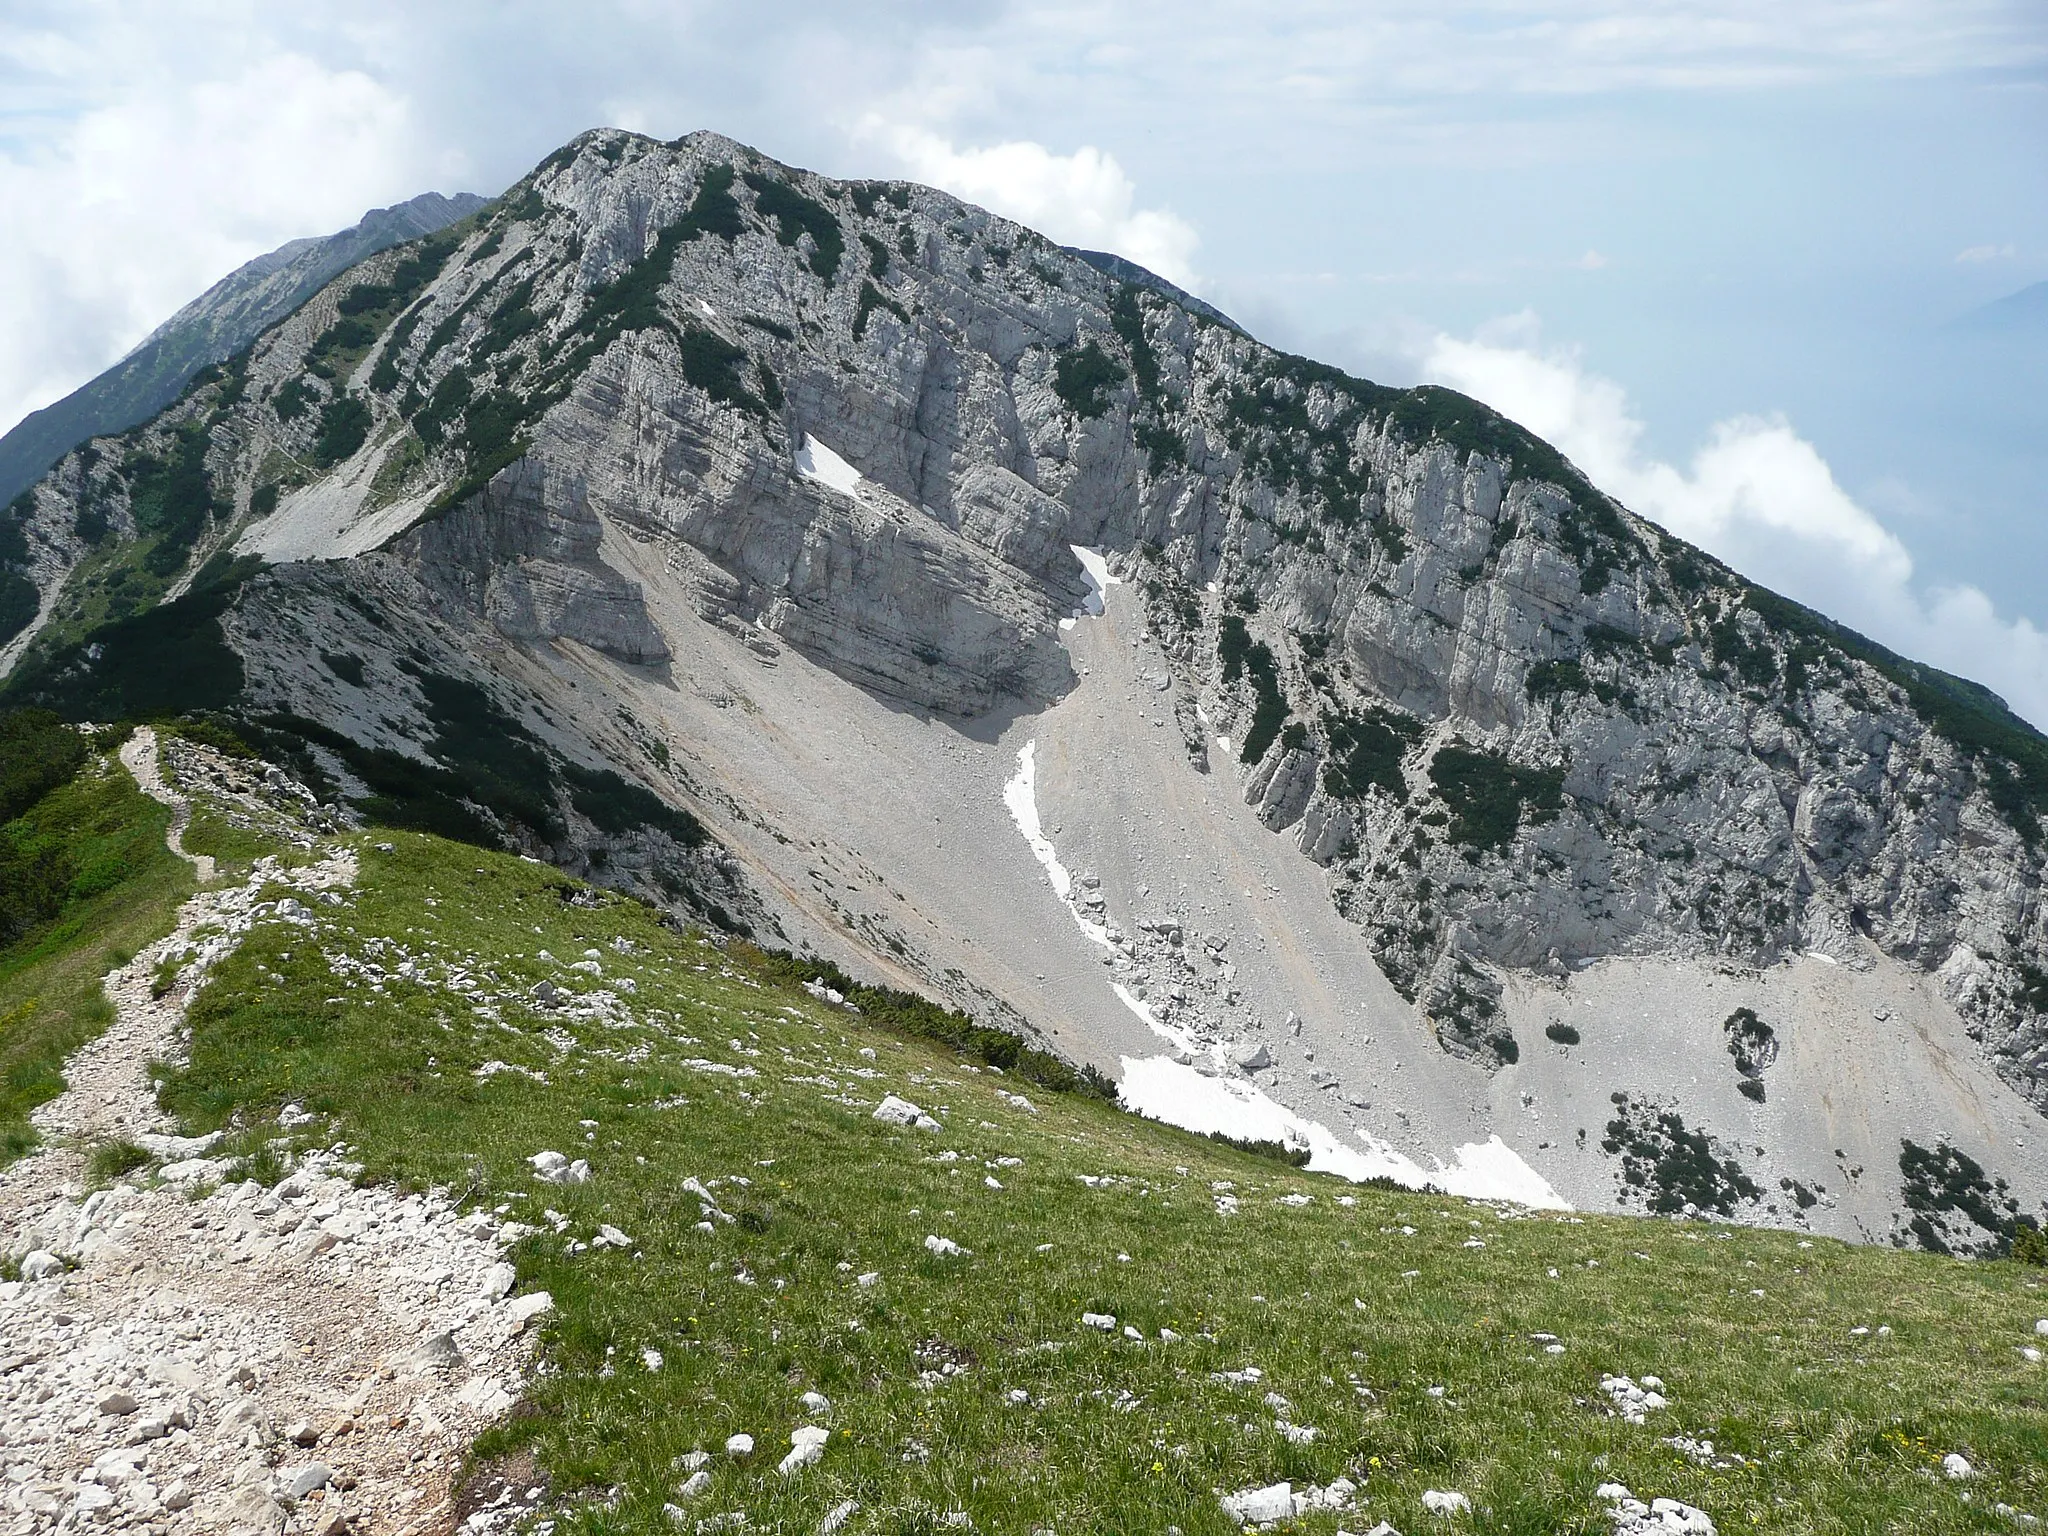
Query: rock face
point(674, 408)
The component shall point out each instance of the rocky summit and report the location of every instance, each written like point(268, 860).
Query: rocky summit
point(835, 563)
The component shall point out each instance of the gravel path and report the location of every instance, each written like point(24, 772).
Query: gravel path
point(139, 757)
point(190, 1353)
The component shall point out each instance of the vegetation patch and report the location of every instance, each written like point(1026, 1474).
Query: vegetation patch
point(171, 499)
point(1367, 749)
point(1945, 1182)
point(1489, 798)
point(1241, 655)
point(1667, 1167)
point(795, 216)
point(872, 299)
point(1083, 378)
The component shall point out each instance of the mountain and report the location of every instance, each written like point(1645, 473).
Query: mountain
point(217, 324)
point(1327, 763)
point(2020, 314)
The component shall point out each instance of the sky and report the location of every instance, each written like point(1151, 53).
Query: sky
point(1729, 255)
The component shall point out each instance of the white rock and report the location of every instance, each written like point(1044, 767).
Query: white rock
point(945, 1248)
point(1102, 1320)
point(117, 1404)
point(498, 1281)
point(807, 1444)
point(522, 1310)
point(837, 1516)
point(612, 1237)
point(307, 1478)
point(1957, 1467)
point(694, 1485)
point(897, 1111)
point(41, 1264)
point(1256, 1505)
point(1446, 1503)
point(816, 1402)
point(739, 1446)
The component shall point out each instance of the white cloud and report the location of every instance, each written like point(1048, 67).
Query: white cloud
point(160, 166)
point(1760, 497)
point(1082, 199)
point(1979, 253)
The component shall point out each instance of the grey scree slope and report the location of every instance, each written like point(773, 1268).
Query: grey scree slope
point(1412, 787)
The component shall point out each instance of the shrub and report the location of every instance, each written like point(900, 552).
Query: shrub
point(2030, 1244)
point(1278, 1151)
point(796, 215)
point(344, 427)
point(1083, 378)
point(872, 299)
point(1563, 1034)
point(111, 1159)
point(1487, 795)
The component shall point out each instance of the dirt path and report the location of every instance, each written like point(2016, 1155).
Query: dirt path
point(139, 757)
point(191, 1353)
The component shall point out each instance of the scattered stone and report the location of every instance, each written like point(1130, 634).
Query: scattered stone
point(1660, 1517)
point(1957, 1467)
point(1255, 1506)
point(694, 1485)
point(1102, 1320)
point(1446, 1502)
point(309, 1477)
point(116, 1404)
point(555, 1168)
point(739, 1447)
point(436, 1352)
point(945, 1248)
point(807, 1445)
point(895, 1111)
point(41, 1264)
point(524, 1309)
point(498, 1281)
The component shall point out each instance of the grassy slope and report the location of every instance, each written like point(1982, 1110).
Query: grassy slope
point(1750, 1330)
point(125, 894)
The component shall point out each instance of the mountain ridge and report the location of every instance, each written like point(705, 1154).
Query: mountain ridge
point(1507, 759)
point(221, 321)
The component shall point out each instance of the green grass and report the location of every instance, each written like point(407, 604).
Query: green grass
point(1839, 1432)
point(124, 892)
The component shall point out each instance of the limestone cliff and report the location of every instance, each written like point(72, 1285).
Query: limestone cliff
point(1509, 728)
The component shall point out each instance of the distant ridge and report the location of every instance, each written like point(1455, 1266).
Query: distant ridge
point(217, 324)
point(1124, 270)
point(2017, 314)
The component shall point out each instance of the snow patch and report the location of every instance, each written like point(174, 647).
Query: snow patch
point(1020, 796)
point(814, 461)
point(1143, 1010)
point(1095, 571)
point(1167, 1090)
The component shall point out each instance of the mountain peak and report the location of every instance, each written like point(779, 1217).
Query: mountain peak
point(840, 562)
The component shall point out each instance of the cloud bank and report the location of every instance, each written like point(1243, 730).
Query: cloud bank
point(144, 184)
point(1759, 496)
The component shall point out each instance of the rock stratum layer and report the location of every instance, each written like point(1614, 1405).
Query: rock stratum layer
point(841, 562)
